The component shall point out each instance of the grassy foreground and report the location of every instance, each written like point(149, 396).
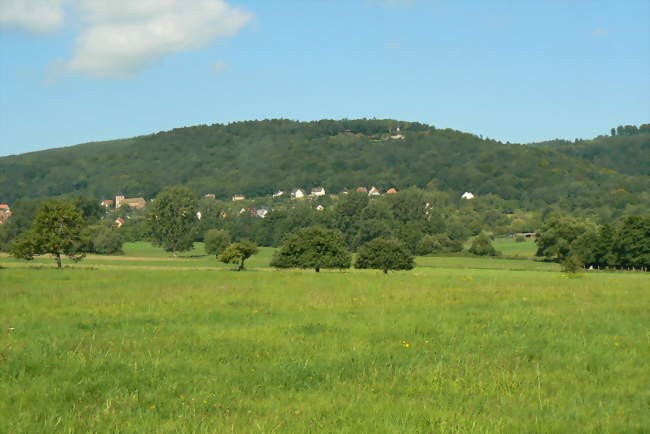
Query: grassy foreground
point(438, 349)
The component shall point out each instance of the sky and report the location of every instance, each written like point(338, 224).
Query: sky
point(74, 71)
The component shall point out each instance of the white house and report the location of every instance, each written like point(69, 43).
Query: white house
point(374, 191)
point(297, 193)
point(320, 208)
point(278, 193)
point(317, 191)
point(467, 195)
point(238, 197)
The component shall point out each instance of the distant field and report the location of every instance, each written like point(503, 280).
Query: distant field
point(186, 345)
point(509, 247)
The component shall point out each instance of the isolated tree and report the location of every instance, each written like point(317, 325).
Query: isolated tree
point(57, 230)
point(314, 247)
point(482, 246)
point(383, 254)
point(237, 253)
point(216, 241)
point(172, 219)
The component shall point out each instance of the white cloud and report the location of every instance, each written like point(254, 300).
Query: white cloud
point(120, 38)
point(41, 16)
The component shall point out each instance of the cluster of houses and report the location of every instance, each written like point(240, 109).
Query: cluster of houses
point(5, 213)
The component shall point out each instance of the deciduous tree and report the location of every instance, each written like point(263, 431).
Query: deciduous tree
point(56, 230)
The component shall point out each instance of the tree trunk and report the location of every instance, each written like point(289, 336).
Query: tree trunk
point(241, 266)
point(58, 260)
point(385, 270)
point(318, 269)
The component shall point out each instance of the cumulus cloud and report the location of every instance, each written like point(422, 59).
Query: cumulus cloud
point(120, 38)
point(40, 16)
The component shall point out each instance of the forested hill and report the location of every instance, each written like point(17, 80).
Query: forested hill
point(627, 150)
point(259, 157)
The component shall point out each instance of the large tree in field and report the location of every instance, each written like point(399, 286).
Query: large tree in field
point(172, 219)
point(56, 230)
point(383, 254)
point(314, 247)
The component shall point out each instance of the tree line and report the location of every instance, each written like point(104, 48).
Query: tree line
point(414, 221)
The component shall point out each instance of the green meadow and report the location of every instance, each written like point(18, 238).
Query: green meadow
point(145, 342)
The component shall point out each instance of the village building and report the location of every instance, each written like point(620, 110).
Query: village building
point(278, 193)
point(317, 191)
point(5, 213)
point(297, 193)
point(133, 202)
point(467, 195)
point(374, 191)
point(237, 197)
point(391, 190)
point(119, 222)
point(320, 208)
point(362, 190)
point(262, 212)
point(210, 196)
point(106, 203)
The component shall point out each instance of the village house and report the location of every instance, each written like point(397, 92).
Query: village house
point(317, 191)
point(209, 196)
point(278, 193)
point(119, 222)
point(262, 212)
point(5, 213)
point(374, 191)
point(397, 135)
point(237, 197)
point(362, 190)
point(133, 202)
point(320, 208)
point(391, 190)
point(297, 193)
point(467, 195)
point(106, 203)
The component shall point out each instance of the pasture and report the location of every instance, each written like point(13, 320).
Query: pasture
point(149, 343)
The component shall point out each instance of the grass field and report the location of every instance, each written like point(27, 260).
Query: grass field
point(149, 343)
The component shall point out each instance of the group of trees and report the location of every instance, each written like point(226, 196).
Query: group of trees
point(407, 223)
point(582, 243)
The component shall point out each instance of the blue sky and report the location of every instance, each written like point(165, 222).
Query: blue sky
point(73, 71)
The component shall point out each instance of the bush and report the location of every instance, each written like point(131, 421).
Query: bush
point(216, 241)
point(482, 246)
point(106, 240)
point(314, 247)
point(382, 254)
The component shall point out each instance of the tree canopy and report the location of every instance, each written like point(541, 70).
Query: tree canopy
point(57, 230)
point(237, 253)
point(384, 254)
point(313, 247)
point(172, 219)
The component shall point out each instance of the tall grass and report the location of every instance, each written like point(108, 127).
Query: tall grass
point(432, 350)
